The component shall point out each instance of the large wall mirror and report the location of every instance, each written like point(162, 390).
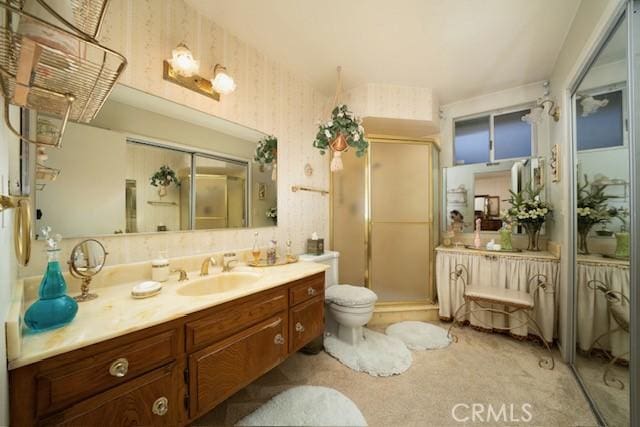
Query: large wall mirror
point(152, 166)
point(603, 194)
point(482, 191)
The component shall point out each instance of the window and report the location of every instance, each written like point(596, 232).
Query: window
point(472, 141)
point(492, 137)
point(599, 121)
point(512, 136)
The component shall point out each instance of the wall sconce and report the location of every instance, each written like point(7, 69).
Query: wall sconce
point(222, 82)
point(544, 105)
point(182, 69)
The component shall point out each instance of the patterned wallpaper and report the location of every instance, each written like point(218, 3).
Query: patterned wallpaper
point(269, 98)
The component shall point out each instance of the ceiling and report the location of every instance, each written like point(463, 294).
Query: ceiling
point(459, 48)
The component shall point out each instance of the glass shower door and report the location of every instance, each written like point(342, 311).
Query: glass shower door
point(401, 218)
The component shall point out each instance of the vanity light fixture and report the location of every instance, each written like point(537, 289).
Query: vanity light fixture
point(222, 82)
point(182, 69)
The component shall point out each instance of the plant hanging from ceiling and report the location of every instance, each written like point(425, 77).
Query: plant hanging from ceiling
point(163, 178)
point(267, 154)
point(343, 130)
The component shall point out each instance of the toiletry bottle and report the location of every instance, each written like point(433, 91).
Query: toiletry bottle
point(54, 308)
point(160, 268)
point(477, 243)
point(255, 250)
point(271, 252)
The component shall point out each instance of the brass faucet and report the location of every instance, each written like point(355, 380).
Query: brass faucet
point(182, 274)
point(204, 269)
point(227, 259)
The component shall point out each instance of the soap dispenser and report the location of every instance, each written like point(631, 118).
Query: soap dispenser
point(54, 308)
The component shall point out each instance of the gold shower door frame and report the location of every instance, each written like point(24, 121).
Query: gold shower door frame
point(429, 294)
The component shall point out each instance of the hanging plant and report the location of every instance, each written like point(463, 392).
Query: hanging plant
point(267, 154)
point(163, 178)
point(342, 131)
point(267, 150)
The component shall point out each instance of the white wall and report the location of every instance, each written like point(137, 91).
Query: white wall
point(8, 269)
point(92, 163)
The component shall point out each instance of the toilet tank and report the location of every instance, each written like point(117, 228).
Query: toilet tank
point(329, 258)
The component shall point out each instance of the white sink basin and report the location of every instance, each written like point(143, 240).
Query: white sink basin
point(219, 283)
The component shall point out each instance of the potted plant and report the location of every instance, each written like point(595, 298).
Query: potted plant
point(267, 154)
point(592, 209)
point(342, 131)
point(528, 210)
point(163, 178)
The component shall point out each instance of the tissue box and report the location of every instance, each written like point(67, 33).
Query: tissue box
point(315, 247)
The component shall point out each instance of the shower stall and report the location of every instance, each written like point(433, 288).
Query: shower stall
point(384, 219)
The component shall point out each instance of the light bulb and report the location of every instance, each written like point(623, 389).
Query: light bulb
point(182, 61)
point(222, 82)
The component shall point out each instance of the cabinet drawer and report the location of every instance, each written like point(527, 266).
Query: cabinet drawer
point(306, 322)
point(227, 321)
point(306, 289)
point(74, 381)
point(150, 400)
point(218, 371)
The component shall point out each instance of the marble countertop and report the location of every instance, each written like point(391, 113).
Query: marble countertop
point(115, 312)
point(538, 255)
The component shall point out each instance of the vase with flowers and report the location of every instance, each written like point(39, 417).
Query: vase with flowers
point(342, 131)
point(530, 211)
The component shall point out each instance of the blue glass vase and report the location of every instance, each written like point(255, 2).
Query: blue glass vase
point(54, 308)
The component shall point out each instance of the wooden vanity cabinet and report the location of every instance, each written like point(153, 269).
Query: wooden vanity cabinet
point(175, 372)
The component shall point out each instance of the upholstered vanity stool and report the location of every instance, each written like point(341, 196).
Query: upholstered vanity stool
point(482, 298)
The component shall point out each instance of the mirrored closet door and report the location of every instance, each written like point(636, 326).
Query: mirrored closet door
point(602, 105)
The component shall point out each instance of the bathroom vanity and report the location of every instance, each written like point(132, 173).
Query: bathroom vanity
point(174, 371)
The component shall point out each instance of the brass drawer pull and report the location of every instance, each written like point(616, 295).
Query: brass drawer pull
point(278, 339)
point(311, 292)
point(119, 368)
point(160, 406)
point(299, 327)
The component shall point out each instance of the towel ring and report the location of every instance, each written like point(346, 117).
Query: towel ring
point(22, 231)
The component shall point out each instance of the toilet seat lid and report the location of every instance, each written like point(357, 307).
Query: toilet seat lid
point(349, 295)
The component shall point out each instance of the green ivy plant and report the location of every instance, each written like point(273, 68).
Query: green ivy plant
point(267, 150)
point(344, 122)
point(164, 177)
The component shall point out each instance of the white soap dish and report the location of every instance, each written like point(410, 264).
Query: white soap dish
point(146, 289)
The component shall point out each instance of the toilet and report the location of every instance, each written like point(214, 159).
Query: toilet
point(347, 308)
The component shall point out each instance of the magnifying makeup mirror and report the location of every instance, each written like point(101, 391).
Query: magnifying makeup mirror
point(87, 259)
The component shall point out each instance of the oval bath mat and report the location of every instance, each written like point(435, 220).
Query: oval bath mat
point(306, 406)
point(419, 335)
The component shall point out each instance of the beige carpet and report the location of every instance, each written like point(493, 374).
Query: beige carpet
point(612, 402)
point(480, 368)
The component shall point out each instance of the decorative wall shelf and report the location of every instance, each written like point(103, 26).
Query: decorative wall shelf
point(60, 74)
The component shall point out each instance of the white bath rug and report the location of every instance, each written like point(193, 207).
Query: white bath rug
point(419, 335)
point(377, 354)
point(306, 406)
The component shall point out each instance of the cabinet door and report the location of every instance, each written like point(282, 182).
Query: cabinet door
point(306, 322)
point(218, 371)
point(151, 400)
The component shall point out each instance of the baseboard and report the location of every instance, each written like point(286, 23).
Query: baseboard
point(393, 313)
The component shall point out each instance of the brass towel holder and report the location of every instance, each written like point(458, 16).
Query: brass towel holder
point(21, 225)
